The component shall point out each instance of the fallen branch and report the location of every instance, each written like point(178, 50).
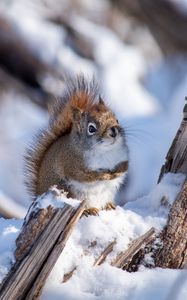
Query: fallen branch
point(125, 257)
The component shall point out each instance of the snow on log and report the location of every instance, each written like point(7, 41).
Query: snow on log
point(41, 241)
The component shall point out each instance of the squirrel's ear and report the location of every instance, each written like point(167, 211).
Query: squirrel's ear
point(76, 114)
point(101, 102)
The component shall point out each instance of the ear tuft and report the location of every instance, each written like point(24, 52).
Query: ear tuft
point(101, 102)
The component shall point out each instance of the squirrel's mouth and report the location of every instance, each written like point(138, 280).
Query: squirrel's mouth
point(108, 142)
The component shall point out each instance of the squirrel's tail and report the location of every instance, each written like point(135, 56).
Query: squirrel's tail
point(78, 93)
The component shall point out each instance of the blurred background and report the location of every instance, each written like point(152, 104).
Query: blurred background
point(136, 49)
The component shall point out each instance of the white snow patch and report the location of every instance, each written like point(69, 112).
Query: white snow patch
point(108, 283)
point(166, 192)
point(55, 198)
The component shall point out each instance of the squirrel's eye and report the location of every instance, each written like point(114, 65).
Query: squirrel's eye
point(91, 128)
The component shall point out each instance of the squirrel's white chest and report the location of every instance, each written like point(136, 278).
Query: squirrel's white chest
point(106, 157)
point(99, 193)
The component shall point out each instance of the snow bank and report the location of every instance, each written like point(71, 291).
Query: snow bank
point(91, 236)
point(108, 283)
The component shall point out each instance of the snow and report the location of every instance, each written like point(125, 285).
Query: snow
point(91, 236)
point(122, 225)
point(55, 198)
point(106, 282)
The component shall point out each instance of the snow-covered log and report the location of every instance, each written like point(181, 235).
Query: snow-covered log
point(41, 241)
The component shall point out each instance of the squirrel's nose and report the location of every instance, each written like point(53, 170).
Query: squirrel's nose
point(113, 132)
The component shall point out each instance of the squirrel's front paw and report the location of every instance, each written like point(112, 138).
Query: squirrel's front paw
point(121, 167)
point(110, 206)
point(93, 211)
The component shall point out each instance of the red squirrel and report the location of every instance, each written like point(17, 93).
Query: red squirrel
point(83, 150)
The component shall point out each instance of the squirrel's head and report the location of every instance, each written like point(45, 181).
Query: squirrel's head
point(96, 127)
point(93, 127)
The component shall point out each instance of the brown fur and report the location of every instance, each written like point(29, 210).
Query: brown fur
point(79, 95)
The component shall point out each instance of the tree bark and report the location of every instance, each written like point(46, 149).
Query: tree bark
point(173, 253)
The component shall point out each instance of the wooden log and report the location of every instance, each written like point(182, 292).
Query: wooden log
point(173, 253)
point(41, 241)
point(124, 258)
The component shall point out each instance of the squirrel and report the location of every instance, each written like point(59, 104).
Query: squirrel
point(83, 151)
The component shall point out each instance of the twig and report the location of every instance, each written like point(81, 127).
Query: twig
point(104, 254)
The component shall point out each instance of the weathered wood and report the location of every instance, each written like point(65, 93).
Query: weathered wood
point(39, 245)
point(68, 275)
point(104, 254)
point(125, 257)
point(173, 253)
point(176, 159)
